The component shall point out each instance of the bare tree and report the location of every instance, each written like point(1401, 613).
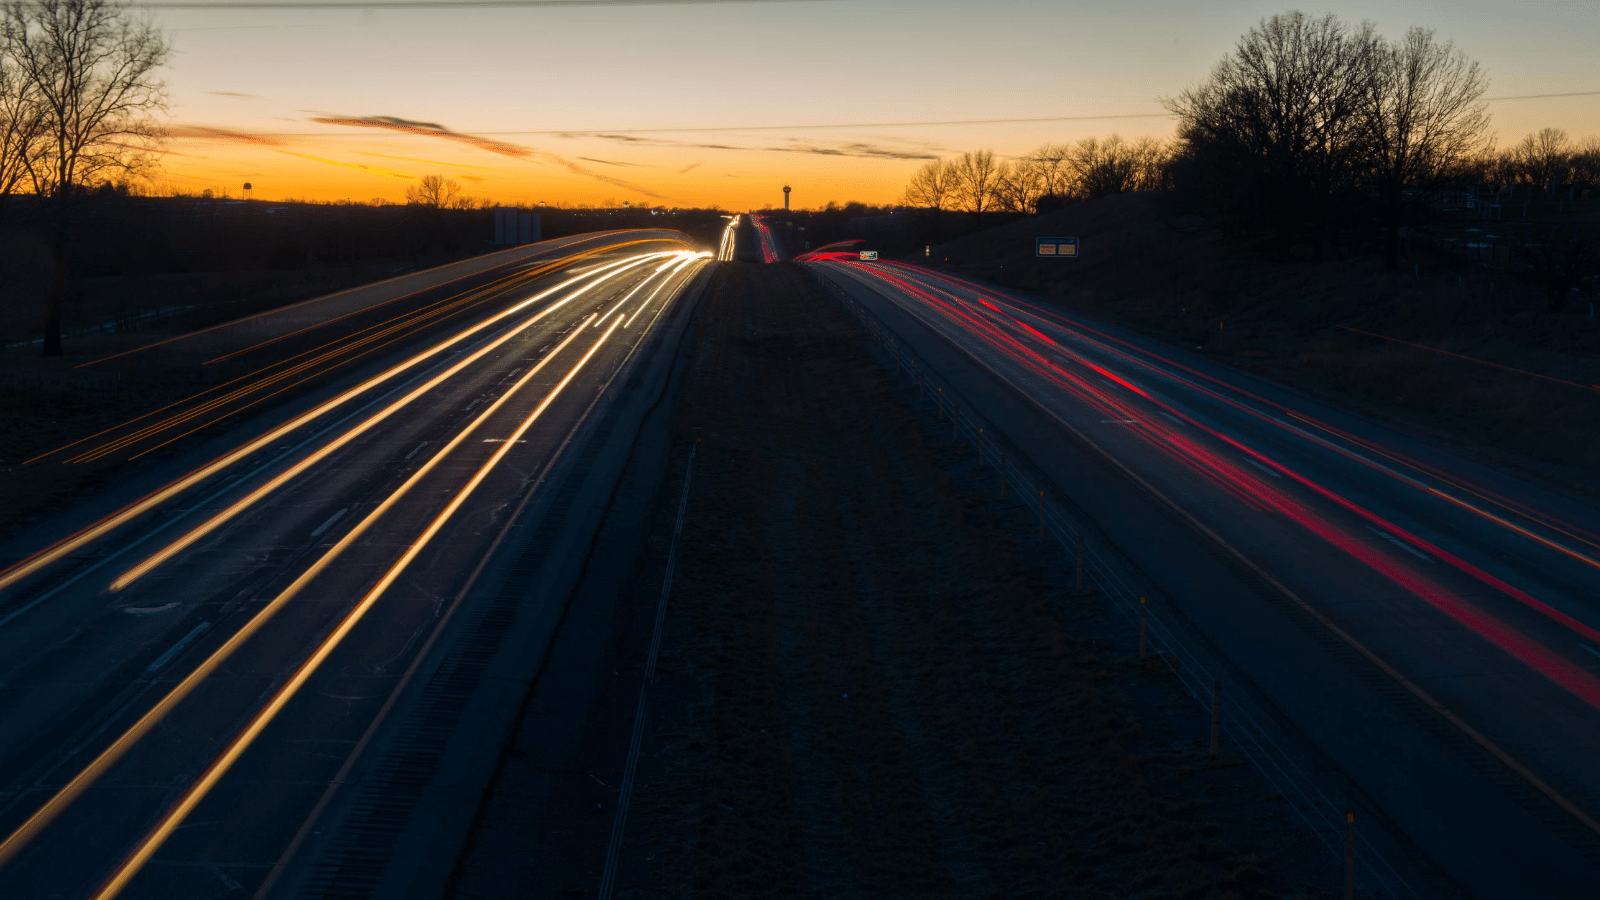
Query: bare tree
point(21, 127)
point(932, 186)
point(976, 174)
point(1424, 117)
point(1286, 104)
point(93, 68)
point(1018, 186)
point(1542, 158)
point(434, 192)
point(1586, 163)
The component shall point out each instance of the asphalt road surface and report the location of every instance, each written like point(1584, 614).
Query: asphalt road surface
point(321, 597)
point(1433, 625)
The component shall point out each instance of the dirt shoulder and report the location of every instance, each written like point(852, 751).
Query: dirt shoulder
point(874, 681)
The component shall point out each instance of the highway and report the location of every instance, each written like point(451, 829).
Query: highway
point(187, 681)
point(1431, 624)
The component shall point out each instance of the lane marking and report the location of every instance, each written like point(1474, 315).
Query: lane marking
point(1119, 421)
point(329, 524)
point(149, 610)
point(417, 449)
point(502, 441)
point(175, 649)
point(1590, 649)
point(1399, 543)
point(1174, 418)
point(1266, 469)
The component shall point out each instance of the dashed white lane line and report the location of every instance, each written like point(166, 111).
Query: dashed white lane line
point(1266, 469)
point(1398, 543)
point(1590, 649)
point(415, 450)
point(149, 610)
point(1118, 421)
point(1174, 419)
point(329, 524)
point(183, 642)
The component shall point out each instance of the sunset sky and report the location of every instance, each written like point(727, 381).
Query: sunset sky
point(704, 103)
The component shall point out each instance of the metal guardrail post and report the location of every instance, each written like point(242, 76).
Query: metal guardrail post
point(1349, 856)
point(1141, 629)
point(1216, 715)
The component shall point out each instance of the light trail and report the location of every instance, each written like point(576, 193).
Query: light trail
point(648, 300)
point(234, 509)
point(70, 544)
point(261, 372)
point(1169, 369)
point(236, 748)
point(125, 742)
point(1014, 340)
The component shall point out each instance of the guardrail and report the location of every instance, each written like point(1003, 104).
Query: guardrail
point(1366, 871)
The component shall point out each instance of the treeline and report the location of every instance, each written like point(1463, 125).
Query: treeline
point(1052, 174)
point(1309, 127)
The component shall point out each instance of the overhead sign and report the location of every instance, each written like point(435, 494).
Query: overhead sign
point(868, 255)
point(1056, 246)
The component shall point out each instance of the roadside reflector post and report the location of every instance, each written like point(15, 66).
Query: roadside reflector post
point(1141, 628)
point(1349, 856)
point(1216, 715)
point(1080, 563)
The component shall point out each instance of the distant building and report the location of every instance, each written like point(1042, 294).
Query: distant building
point(513, 226)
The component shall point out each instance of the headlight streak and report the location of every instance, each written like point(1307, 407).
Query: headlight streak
point(312, 362)
point(1262, 495)
point(236, 748)
point(640, 286)
point(555, 245)
point(218, 520)
point(70, 544)
point(126, 741)
point(648, 300)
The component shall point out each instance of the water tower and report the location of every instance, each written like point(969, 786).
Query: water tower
point(786, 198)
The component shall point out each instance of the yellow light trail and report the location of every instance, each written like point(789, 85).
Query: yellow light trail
point(648, 300)
point(394, 329)
point(70, 544)
point(237, 747)
point(249, 375)
point(445, 306)
point(234, 509)
point(125, 742)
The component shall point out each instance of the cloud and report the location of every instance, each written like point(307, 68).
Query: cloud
point(434, 129)
point(609, 162)
point(431, 162)
point(427, 129)
point(235, 95)
point(371, 170)
point(207, 133)
point(860, 150)
point(691, 167)
point(854, 149)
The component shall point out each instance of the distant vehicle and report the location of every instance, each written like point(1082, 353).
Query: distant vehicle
point(869, 255)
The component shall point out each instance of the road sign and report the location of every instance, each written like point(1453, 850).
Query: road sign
point(869, 255)
point(1056, 246)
